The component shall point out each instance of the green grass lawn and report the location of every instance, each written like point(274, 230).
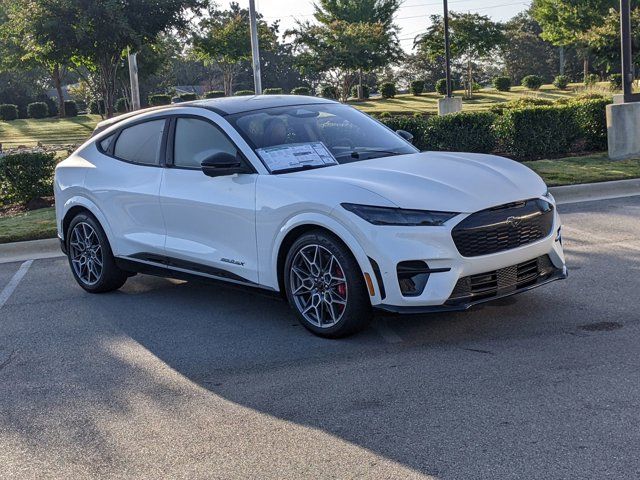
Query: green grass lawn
point(32, 225)
point(47, 130)
point(563, 171)
point(587, 169)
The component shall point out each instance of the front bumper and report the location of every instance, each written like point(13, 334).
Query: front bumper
point(389, 246)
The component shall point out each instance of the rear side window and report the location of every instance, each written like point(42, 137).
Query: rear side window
point(106, 143)
point(141, 143)
point(196, 140)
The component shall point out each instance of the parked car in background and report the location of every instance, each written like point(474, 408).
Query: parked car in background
point(306, 197)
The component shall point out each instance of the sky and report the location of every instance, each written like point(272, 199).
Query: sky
point(412, 18)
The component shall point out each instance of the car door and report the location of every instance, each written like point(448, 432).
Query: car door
point(125, 183)
point(210, 221)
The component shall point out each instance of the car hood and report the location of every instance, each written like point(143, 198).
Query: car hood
point(456, 182)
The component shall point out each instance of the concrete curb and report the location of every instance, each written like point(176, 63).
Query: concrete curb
point(50, 248)
point(586, 192)
point(31, 250)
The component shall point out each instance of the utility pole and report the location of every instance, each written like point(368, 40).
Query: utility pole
point(447, 53)
point(255, 48)
point(133, 79)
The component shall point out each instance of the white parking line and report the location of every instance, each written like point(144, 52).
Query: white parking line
point(13, 283)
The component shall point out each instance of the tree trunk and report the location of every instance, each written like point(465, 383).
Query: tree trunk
point(360, 89)
point(57, 81)
point(585, 63)
point(469, 79)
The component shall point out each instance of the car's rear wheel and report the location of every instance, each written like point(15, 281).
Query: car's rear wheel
point(325, 286)
point(90, 257)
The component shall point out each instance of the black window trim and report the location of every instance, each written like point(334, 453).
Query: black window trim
point(169, 160)
point(110, 152)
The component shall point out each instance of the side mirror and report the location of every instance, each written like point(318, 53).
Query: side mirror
point(222, 164)
point(406, 135)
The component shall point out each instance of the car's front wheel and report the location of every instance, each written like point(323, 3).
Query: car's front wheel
point(325, 286)
point(90, 257)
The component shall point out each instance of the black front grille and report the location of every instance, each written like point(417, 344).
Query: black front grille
point(502, 281)
point(503, 228)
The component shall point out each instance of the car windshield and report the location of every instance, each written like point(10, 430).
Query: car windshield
point(313, 136)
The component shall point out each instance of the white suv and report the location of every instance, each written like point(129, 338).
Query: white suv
point(306, 197)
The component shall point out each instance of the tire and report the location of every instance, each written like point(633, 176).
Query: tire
point(316, 293)
point(98, 279)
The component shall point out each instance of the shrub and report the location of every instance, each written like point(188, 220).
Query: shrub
point(188, 97)
point(561, 82)
point(537, 132)
point(532, 82)
point(592, 120)
point(502, 84)
point(244, 93)
point(388, 90)
point(159, 99)
point(366, 91)
point(301, 91)
point(8, 112)
point(81, 105)
point(37, 110)
point(273, 91)
point(591, 79)
point(615, 81)
point(96, 107)
point(214, 94)
point(591, 96)
point(27, 176)
point(329, 91)
point(417, 87)
point(441, 86)
point(122, 105)
point(461, 132)
point(415, 125)
point(70, 108)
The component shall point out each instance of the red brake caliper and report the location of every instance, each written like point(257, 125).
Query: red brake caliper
point(341, 288)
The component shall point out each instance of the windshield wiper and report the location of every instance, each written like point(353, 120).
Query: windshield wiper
point(299, 168)
point(359, 153)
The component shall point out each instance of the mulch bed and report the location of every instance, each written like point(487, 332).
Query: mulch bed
point(17, 208)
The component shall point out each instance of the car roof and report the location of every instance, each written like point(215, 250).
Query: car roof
point(223, 106)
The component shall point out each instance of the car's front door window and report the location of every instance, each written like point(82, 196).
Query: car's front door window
point(197, 140)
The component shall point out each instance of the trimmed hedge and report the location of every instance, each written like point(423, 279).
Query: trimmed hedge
point(415, 125)
point(159, 99)
point(532, 82)
point(388, 90)
point(8, 112)
point(187, 97)
point(301, 91)
point(417, 87)
point(615, 81)
point(70, 108)
point(329, 91)
point(538, 132)
point(122, 105)
point(592, 118)
point(244, 93)
point(561, 82)
point(27, 176)
point(214, 94)
point(502, 84)
point(366, 91)
point(461, 132)
point(37, 110)
point(273, 91)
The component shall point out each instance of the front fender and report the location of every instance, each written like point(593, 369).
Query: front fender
point(335, 227)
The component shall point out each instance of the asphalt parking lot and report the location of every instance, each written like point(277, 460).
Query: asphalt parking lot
point(167, 379)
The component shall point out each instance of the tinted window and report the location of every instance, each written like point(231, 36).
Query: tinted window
point(104, 143)
point(196, 140)
point(141, 143)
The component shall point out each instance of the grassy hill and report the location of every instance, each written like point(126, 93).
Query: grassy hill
point(75, 130)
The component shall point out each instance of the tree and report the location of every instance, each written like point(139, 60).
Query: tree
point(472, 37)
point(366, 27)
point(35, 30)
point(524, 52)
point(223, 40)
point(568, 23)
point(104, 29)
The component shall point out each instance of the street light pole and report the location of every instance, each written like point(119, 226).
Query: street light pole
point(447, 53)
point(133, 79)
point(255, 49)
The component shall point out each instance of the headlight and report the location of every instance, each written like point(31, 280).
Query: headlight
point(398, 216)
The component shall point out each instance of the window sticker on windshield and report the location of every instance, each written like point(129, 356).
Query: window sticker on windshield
point(296, 155)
